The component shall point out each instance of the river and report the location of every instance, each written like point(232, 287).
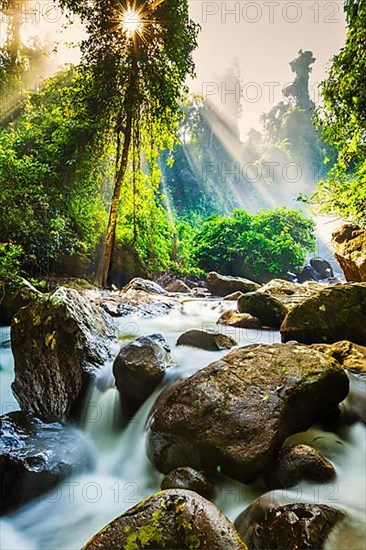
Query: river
point(122, 475)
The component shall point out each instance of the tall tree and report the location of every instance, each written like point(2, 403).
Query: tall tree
point(138, 57)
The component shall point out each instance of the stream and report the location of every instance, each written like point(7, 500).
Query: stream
point(122, 476)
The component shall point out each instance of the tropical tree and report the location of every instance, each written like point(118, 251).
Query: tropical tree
point(137, 58)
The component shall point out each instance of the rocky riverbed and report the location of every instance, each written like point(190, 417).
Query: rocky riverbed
point(173, 418)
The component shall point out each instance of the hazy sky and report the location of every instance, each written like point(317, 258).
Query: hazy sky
point(263, 37)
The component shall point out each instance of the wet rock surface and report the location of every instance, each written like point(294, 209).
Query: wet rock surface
point(239, 320)
point(349, 242)
point(59, 343)
point(209, 341)
point(296, 463)
point(190, 480)
point(291, 527)
point(137, 302)
point(265, 307)
point(35, 457)
point(140, 367)
point(222, 285)
point(171, 520)
point(237, 412)
point(145, 285)
point(333, 314)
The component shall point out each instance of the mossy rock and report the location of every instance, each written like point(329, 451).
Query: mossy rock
point(171, 520)
point(237, 412)
point(14, 296)
point(333, 314)
point(265, 307)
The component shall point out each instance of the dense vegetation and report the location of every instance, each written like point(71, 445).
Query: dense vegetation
point(342, 118)
point(116, 146)
point(259, 246)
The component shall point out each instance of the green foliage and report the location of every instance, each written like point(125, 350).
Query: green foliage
point(51, 172)
point(11, 256)
point(258, 246)
point(342, 119)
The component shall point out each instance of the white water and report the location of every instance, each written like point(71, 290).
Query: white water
point(122, 476)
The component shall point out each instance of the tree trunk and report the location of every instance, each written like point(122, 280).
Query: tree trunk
point(112, 222)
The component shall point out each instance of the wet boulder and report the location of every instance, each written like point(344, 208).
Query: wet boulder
point(189, 479)
point(332, 314)
point(322, 267)
point(140, 367)
point(35, 457)
point(222, 285)
point(349, 244)
point(178, 286)
point(296, 463)
point(171, 520)
point(239, 320)
point(234, 296)
point(59, 342)
point(13, 296)
point(237, 412)
point(266, 307)
point(145, 285)
point(263, 526)
point(210, 341)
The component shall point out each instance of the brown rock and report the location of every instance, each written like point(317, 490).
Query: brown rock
point(291, 527)
point(178, 286)
point(189, 479)
point(349, 242)
point(351, 356)
point(222, 285)
point(233, 297)
point(237, 412)
point(239, 320)
point(210, 341)
point(296, 463)
point(333, 314)
point(265, 307)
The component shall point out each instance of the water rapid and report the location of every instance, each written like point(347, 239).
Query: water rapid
point(122, 476)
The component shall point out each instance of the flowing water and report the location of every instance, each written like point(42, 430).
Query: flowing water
point(122, 475)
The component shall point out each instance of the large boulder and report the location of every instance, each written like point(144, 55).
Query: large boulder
point(266, 527)
point(266, 307)
point(144, 285)
point(237, 412)
point(295, 463)
point(13, 296)
point(210, 341)
point(35, 457)
point(335, 313)
point(239, 320)
point(280, 287)
point(171, 520)
point(349, 244)
point(189, 479)
point(59, 343)
point(140, 367)
point(322, 267)
point(222, 285)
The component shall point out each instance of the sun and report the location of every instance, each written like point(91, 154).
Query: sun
point(131, 22)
